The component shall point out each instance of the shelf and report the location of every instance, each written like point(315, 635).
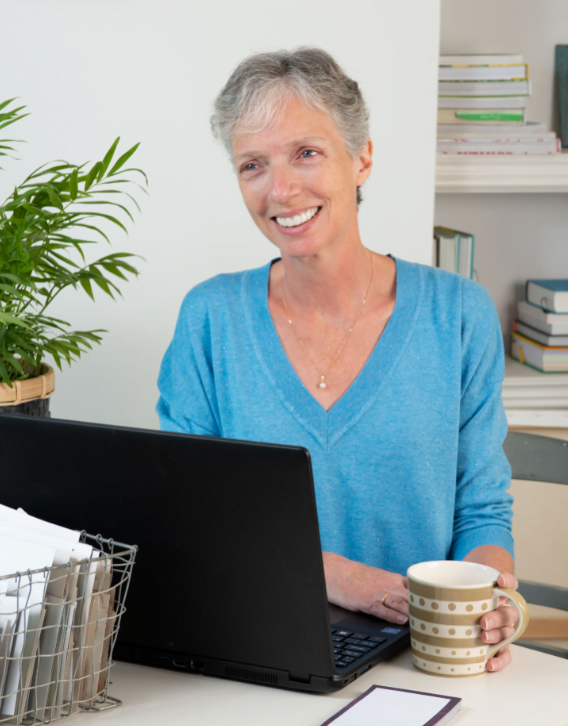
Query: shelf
point(501, 174)
point(532, 398)
point(550, 419)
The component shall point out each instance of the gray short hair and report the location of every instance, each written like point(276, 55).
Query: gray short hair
point(254, 94)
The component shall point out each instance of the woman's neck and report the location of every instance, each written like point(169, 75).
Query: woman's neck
point(327, 284)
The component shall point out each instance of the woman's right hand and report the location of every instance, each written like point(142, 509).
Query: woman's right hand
point(361, 588)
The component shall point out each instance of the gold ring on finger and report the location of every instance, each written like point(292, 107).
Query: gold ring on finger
point(384, 598)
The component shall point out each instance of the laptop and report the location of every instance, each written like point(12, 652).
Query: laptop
point(229, 578)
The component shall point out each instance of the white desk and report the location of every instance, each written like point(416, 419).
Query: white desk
point(533, 691)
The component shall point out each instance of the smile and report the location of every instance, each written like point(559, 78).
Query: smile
point(297, 219)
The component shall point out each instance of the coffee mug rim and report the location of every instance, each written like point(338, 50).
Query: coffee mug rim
point(492, 573)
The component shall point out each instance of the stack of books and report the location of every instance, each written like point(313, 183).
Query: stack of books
point(482, 107)
point(453, 251)
point(540, 332)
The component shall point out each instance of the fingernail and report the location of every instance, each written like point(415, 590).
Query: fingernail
point(401, 619)
point(488, 624)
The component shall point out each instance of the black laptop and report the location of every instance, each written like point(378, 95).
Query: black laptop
point(229, 578)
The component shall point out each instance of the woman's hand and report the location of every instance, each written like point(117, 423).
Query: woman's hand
point(498, 624)
point(361, 588)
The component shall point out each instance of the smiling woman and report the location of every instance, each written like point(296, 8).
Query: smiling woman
point(388, 372)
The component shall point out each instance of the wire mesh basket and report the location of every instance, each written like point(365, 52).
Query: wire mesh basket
point(58, 627)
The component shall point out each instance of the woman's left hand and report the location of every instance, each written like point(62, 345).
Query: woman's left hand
point(498, 625)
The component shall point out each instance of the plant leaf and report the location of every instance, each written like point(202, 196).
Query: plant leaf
point(109, 155)
point(12, 319)
point(55, 200)
point(73, 184)
point(4, 374)
point(123, 159)
point(87, 287)
point(92, 175)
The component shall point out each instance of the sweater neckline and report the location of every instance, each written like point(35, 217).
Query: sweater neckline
point(327, 427)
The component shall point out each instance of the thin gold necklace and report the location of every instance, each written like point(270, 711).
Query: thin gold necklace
point(322, 383)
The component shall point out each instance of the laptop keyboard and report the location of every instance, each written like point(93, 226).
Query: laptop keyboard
point(349, 647)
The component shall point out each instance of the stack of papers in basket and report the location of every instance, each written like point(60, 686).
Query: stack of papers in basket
point(56, 616)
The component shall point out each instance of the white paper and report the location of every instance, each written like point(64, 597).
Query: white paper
point(395, 708)
point(28, 593)
point(19, 517)
point(10, 534)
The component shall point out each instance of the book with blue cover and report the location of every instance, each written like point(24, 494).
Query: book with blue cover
point(550, 295)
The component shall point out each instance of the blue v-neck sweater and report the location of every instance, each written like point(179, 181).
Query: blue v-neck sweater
point(408, 464)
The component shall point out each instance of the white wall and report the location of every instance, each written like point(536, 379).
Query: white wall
point(518, 236)
point(149, 71)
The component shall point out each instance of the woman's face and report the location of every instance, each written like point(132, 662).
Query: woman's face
point(299, 182)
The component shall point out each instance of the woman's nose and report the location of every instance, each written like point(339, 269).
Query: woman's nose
point(284, 184)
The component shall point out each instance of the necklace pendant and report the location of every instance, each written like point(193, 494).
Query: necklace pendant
point(322, 383)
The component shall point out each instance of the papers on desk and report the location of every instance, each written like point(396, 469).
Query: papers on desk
point(396, 707)
point(56, 617)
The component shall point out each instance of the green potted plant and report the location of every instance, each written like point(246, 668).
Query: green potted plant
point(46, 226)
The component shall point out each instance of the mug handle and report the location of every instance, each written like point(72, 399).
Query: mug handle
point(520, 605)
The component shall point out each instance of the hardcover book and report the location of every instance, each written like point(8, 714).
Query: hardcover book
point(513, 116)
point(518, 72)
point(561, 80)
point(481, 59)
point(550, 341)
point(550, 295)
point(536, 317)
point(484, 88)
point(541, 357)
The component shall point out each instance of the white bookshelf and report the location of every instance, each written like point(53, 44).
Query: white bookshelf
point(506, 174)
point(532, 398)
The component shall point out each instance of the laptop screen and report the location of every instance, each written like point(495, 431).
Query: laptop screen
point(229, 562)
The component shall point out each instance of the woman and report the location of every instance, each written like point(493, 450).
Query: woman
point(388, 372)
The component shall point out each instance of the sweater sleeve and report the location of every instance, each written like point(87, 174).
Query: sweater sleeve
point(483, 512)
point(187, 402)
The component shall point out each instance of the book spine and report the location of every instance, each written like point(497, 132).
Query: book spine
point(527, 292)
point(458, 251)
point(491, 115)
point(562, 91)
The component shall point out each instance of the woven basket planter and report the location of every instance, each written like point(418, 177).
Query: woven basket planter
point(30, 397)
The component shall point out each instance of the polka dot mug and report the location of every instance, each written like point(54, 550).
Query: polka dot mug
point(447, 601)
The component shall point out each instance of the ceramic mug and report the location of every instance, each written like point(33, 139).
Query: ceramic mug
point(447, 601)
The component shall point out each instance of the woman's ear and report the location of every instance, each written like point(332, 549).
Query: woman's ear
point(364, 163)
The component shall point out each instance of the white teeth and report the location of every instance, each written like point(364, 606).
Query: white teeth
point(297, 219)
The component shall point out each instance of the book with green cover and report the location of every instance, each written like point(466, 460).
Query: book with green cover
point(481, 116)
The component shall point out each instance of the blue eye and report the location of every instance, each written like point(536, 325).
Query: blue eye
point(248, 167)
point(308, 151)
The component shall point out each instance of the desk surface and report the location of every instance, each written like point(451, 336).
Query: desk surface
point(533, 691)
